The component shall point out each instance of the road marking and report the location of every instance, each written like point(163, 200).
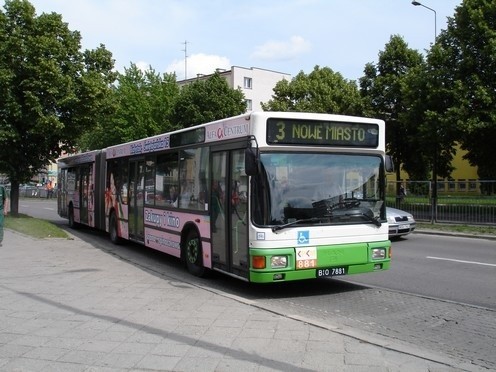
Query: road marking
point(461, 261)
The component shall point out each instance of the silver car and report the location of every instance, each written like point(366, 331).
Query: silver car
point(400, 222)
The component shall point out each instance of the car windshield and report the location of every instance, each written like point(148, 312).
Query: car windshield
point(304, 188)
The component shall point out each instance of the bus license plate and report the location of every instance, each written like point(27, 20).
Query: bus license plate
point(333, 271)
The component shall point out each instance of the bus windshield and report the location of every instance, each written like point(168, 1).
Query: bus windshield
point(319, 188)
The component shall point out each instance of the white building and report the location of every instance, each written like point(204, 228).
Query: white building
point(256, 84)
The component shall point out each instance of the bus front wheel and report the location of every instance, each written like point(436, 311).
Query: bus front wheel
point(193, 254)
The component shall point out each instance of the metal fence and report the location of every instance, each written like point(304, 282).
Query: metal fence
point(467, 202)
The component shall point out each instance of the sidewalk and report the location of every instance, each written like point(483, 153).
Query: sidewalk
point(67, 306)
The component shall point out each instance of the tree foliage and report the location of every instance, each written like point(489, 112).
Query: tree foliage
point(383, 88)
point(431, 116)
point(469, 62)
point(323, 90)
point(207, 100)
point(50, 91)
point(142, 106)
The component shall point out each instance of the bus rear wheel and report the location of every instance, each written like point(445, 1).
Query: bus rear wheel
point(114, 236)
point(72, 223)
point(194, 254)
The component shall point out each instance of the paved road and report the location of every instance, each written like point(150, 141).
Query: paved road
point(41, 208)
point(452, 268)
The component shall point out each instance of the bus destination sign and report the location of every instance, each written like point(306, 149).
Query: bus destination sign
point(322, 133)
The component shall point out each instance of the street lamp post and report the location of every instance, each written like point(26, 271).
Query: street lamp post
point(416, 3)
point(434, 165)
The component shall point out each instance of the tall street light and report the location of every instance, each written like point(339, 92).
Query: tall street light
point(434, 165)
point(416, 3)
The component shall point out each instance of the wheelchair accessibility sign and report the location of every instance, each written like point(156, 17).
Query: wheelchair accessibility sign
point(303, 237)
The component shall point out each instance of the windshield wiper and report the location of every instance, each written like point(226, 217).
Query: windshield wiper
point(374, 220)
point(312, 219)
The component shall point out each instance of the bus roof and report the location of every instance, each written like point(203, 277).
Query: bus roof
point(230, 128)
point(81, 158)
point(234, 127)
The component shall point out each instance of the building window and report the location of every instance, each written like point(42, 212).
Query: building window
point(472, 185)
point(249, 104)
point(248, 83)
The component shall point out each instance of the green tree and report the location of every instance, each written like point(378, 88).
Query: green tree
point(430, 119)
point(323, 90)
point(206, 100)
point(382, 87)
point(469, 62)
point(50, 91)
point(417, 155)
point(143, 103)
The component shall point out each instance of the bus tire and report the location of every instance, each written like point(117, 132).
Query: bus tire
point(114, 236)
point(72, 223)
point(193, 254)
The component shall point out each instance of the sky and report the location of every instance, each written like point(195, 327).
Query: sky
point(190, 37)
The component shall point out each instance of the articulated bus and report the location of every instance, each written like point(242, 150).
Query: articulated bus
point(264, 197)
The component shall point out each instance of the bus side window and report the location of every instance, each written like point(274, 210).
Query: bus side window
point(186, 196)
point(160, 195)
point(167, 178)
point(193, 171)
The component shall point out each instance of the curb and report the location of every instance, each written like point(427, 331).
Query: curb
point(455, 234)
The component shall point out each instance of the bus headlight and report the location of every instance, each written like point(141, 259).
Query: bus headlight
point(278, 262)
point(378, 253)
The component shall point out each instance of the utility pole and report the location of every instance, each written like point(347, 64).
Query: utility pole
point(185, 50)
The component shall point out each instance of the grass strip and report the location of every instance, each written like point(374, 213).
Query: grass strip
point(34, 227)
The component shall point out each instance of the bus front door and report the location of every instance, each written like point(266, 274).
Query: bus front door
point(228, 212)
point(85, 194)
point(136, 200)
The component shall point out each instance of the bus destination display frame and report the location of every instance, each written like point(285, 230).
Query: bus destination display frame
point(322, 133)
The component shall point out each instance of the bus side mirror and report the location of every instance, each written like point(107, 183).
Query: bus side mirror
point(389, 164)
point(251, 162)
